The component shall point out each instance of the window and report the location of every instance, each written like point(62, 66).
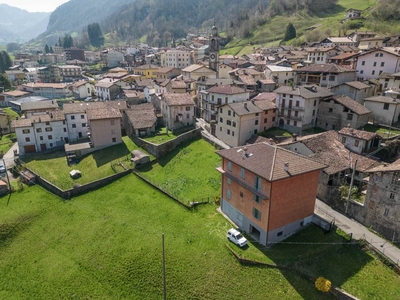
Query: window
point(25, 131)
point(373, 72)
point(50, 137)
point(48, 129)
point(229, 181)
point(256, 198)
point(234, 114)
point(386, 213)
point(315, 102)
point(257, 114)
point(220, 110)
point(228, 193)
point(38, 129)
point(343, 140)
point(330, 109)
point(256, 122)
point(241, 194)
point(112, 122)
point(41, 138)
point(83, 124)
point(280, 233)
point(382, 64)
point(72, 117)
point(114, 140)
point(363, 63)
point(350, 117)
point(374, 64)
point(380, 54)
point(294, 123)
point(255, 131)
point(112, 131)
point(265, 120)
point(356, 143)
point(273, 119)
point(376, 54)
point(229, 166)
point(229, 112)
point(234, 124)
point(242, 173)
point(313, 112)
point(332, 78)
point(228, 122)
point(82, 116)
point(220, 128)
point(27, 139)
point(386, 106)
point(297, 103)
point(233, 133)
point(47, 123)
point(391, 196)
point(221, 120)
point(73, 125)
point(362, 72)
point(228, 131)
point(256, 213)
point(65, 129)
point(187, 108)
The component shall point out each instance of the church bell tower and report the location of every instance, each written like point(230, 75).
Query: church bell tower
point(214, 49)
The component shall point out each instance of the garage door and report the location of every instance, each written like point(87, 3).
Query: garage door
point(30, 149)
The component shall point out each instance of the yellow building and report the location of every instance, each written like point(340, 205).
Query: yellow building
point(146, 71)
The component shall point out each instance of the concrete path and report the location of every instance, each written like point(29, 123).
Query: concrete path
point(9, 161)
point(201, 123)
point(359, 231)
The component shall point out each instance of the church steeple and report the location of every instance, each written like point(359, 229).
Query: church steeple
point(214, 49)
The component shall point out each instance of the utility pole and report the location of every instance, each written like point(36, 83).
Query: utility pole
point(163, 269)
point(351, 186)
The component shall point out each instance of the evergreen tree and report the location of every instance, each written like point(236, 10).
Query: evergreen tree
point(46, 49)
point(60, 43)
point(290, 32)
point(68, 42)
point(4, 82)
point(5, 61)
point(51, 49)
point(95, 35)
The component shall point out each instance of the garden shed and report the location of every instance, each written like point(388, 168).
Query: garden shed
point(139, 157)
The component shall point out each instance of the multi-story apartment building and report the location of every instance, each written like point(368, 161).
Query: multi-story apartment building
point(179, 59)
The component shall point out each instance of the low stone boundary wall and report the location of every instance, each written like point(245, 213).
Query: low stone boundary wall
point(82, 189)
point(164, 148)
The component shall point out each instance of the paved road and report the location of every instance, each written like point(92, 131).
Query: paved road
point(9, 161)
point(359, 231)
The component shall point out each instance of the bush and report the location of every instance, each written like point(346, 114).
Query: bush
point(323, 284)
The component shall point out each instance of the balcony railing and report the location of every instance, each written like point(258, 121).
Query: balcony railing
point(298, 108)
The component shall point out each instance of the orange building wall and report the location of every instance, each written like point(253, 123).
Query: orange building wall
point(293, 199)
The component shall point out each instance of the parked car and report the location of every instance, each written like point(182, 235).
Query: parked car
point(236, 237)
point(2, 168)
point(88, 99)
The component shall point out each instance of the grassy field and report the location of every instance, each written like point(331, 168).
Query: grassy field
point(272, 32)
point(384, 132)
point(6, 142)
point(161, 136)
point(188, 172)
point(274, 132)
point(107, 245)
point(54, 167)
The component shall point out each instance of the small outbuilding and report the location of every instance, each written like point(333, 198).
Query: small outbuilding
point(75, 174)
point(139, 157)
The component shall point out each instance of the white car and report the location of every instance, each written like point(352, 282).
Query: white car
point(236, 237)
point(2, 168)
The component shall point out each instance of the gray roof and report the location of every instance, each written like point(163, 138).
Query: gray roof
point(304, 91)
point(383, 99)
point(352, 105)
point(245, 108)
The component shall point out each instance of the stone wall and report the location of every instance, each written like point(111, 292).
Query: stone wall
point(162, 149)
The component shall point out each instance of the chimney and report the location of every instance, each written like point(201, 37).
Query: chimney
point(286, 166)
point(51, 116)
point(245, 105)
point(294, 137)
point(271, 141)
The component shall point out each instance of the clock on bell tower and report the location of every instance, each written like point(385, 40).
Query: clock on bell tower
point(214, 50)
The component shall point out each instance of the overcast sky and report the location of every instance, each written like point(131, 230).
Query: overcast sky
point(35, 5)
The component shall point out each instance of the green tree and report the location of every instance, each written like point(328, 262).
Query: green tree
point(51, 49)
point(290, 32)
point(67, 41)
point(5, 61)
point(46, 49)
point(12, 47)
point(4, 82)
point(95, 35)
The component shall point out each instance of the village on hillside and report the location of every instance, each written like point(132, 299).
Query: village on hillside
point(291, 125)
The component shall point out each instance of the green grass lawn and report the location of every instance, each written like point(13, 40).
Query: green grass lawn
point(188, 172)
point(107, 245)
point(94, 166)
point(161, 136)
point(6, 142)
point(274, 132)
point(384, 132)
point(313, 130)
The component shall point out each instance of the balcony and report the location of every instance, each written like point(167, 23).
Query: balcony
point(297, 108)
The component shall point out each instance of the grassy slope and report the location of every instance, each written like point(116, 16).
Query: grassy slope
point(272, 32)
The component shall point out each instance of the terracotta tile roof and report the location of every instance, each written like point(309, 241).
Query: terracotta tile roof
point(146, 67)
point(325, 68)
point(319, 49)
point(178, 84)
point(38, 105)
point(142, 116)
point(143, 82)
point(352, 105)
point(178, 99)
point(357, 85)
point(360, 134)
point(16, 93)
point(164, 70)
point(265, 104)
point(118, 69)
point(304, 91)
point(266, 96)
point(192, 68)
point(79, 83)
point(226, 90)
point(56, 115)
point(45, 85)
point(327, 149)
point(245, 108)
point(268, 161)
point(393, 167)
point(103, 113)
point(79, 107)
point(118, 75)
point(343, 56)
point(247, 79)
point(255, 139)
